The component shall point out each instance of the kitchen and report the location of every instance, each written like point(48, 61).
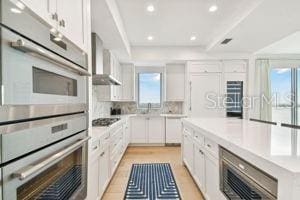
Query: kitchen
point(131, 99)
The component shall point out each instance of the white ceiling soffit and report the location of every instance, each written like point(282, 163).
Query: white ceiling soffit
point(271, 21)
point(174, 21)
point(108, 24)
point(287, 45)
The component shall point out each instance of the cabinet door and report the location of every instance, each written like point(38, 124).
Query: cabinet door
point(93, 179)
point(199, 167)
point(188, 154)
point(46, 9)
point(128, 82)
point(138, 130)
point(212, 180)
point(103, 170)
point(205, 90)
point(173, 130)
point(71, 20)
point(175, 83)
point(156, 129)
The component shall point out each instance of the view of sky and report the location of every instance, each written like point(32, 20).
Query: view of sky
point(281, 84)
point(149, 88)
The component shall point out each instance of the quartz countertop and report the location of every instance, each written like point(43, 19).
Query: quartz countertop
point(274, 144)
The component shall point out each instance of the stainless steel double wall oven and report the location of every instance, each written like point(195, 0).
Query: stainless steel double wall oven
point(43, 118)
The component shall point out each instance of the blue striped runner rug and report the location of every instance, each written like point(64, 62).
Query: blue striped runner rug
point(151, 181)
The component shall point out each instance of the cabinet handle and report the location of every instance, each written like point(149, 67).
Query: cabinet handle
point(54, 16)
point(62, 23)
point(95, 147)
point(200, 151)
point(190, 95)
point(208, 145)
point(102, 154)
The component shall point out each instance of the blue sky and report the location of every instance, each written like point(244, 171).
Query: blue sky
point(149, 87)
point(281, 83)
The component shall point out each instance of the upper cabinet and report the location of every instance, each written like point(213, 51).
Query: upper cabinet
point(68, 17)
point(175, 82)
point(128, 82)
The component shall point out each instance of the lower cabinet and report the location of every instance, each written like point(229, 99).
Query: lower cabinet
point(105, 153)
point(202, 163)
point(104, 170)
point(188, 151)
point(199, 167)
point(173, 130)
point(147, 130)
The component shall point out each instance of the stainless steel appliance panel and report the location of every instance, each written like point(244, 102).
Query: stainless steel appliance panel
point(241, 180)
point(34, 28)
point(22, 138)
point(60, 169)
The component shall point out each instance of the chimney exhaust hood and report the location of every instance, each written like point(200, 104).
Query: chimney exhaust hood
point(101, 68)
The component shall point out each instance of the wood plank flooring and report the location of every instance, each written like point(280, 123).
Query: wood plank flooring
point(187, 187)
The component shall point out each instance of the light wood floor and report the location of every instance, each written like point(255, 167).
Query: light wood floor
point(187, 187)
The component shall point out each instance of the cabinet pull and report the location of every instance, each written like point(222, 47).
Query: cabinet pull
point(208, 145)
point(190, 95)
point(54, 16)
point(200, 151)
point(95, 147)
point(62, 23)
point(102, 154)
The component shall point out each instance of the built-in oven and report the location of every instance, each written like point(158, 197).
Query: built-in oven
point(41, 74)
point(45, 159)
point(241, 180)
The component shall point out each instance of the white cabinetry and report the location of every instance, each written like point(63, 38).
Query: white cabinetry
point(156, 129)
point(138, 130)
point(206, 86)
point(173, 130)
point(188, 151)
point(175, 82)
point(205, 89)
point(104, 170)
point(200, 155)
point(199, 167)
point(46, 9)
point(67, 16)
point(147, 130)
point(128, 82)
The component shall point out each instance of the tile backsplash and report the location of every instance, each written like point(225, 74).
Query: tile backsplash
point(100, 108)
point(131, 108)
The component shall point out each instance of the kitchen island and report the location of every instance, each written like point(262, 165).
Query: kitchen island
point(272, 149)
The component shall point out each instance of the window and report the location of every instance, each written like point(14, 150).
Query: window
point(281, 91)
point(149, 89)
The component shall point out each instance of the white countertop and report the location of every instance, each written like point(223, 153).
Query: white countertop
point(274, 144)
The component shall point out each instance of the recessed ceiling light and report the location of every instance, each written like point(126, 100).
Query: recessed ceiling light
point(15, 10)
point(150, 37)
point(150, 8)
point(193, 38)
point(213, 8)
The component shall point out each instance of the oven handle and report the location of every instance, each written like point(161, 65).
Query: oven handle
point(40, 53)
point(32, 169)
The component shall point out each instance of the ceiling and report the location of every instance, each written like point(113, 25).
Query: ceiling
point(174, 21)
point(287, 45)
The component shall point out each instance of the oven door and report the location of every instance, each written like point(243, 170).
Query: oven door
point(237, 185)
point(33, 75)
point(60, 175)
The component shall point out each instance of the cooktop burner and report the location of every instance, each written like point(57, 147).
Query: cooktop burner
point(104, 121)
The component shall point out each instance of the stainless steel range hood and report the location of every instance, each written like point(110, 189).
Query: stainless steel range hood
point(101, 75)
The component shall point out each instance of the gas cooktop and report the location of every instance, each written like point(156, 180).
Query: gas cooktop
point(104, 121)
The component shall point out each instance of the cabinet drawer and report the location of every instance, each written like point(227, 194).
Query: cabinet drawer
point(232, 67)
point(104, 140)
point(205, 67)
point(187, 131)
point(199, 138)
point(211, 147)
